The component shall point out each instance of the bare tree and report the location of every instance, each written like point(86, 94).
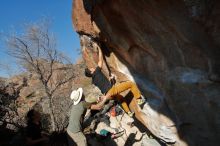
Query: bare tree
point(36, 50)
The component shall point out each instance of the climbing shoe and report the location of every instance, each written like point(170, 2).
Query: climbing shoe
point(130, 114)
point(140, 101)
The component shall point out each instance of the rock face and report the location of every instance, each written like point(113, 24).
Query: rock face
point(171, 50)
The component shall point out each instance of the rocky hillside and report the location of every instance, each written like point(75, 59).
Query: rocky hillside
point(22, 92)
point(171, 50)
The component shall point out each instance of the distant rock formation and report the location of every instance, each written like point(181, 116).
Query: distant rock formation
point(171, 50)
point(22, 92)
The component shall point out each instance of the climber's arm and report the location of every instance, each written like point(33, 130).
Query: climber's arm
point(100, 63)
point(96, 106)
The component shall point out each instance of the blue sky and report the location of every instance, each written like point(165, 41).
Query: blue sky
point(14, 13)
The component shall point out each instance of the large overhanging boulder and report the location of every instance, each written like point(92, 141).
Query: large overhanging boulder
point(172, 55)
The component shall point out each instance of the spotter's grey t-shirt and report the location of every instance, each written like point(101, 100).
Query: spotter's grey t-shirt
point(76, 116)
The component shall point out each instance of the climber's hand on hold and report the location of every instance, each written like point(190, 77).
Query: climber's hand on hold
point(112, 79)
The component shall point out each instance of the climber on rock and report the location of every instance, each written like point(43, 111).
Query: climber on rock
point(81, 103)
point(109, 90)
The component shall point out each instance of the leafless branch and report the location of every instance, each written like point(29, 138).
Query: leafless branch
point(35, 48)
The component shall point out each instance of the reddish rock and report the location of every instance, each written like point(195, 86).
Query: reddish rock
point(172, 54)
point(82, 19)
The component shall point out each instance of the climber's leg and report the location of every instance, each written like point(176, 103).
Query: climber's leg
point(124, 105)
point(121, 87)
